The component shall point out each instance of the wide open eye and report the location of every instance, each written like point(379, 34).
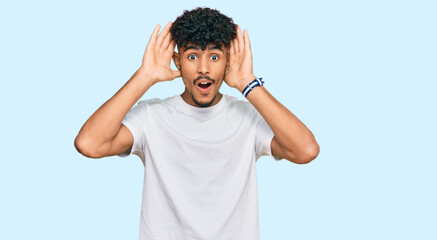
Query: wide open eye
point(192, 57)
point(214, 57)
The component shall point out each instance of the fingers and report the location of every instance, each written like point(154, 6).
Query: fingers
point(171, 46)
point(167, 41)
point(240, 39)
point(155, 33)
point(235, 45)
point(240, 43)
point(247, 48)
point(235, 41)
point(231, 48)
point(163, 35)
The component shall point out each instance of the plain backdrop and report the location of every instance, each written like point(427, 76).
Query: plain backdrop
point(360, 74)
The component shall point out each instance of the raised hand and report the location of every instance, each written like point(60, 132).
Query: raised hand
point(240, 62)
point(158, 55)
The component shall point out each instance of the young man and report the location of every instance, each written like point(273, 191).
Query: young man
point(199, 148)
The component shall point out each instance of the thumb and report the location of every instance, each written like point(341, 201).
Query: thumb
point(176, 74)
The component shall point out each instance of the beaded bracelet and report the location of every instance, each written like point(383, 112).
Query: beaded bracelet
point(255, 83)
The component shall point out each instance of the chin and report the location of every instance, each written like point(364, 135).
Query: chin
point(203, 103)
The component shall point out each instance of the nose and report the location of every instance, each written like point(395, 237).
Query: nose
point(203, 66)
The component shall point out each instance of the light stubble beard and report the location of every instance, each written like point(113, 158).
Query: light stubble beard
point(204, 105)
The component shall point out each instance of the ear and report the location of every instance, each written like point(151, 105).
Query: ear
point(176, 60)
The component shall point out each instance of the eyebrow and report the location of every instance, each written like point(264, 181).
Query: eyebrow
point(197, 48)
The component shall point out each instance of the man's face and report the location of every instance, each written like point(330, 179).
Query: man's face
point(203, 72)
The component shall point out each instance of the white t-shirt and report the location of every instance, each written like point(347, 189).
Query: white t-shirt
point(200, 168)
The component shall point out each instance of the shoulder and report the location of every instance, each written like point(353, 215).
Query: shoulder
point(157, 102)
point(238, 105)
point(241, 109)
point(233, 102)
point(152, 101)
point(144, 106)
point(159, 107)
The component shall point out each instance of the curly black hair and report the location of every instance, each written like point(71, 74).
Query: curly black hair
point(202, 26)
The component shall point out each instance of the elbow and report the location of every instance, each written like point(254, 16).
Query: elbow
point(306, 157)
point(311, 154)
point(84, 147)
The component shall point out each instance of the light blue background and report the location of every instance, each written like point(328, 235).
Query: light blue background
point(360, 74)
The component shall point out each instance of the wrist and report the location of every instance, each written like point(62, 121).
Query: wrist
point(257, 82)
point(244, 82)
point(146, 76)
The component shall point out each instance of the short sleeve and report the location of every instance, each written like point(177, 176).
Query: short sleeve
point(263, 137)
point(134, 121)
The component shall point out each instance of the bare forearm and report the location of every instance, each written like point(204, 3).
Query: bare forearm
point(293, 140)
point(101, 132)
point(105, 122)
point(290, 132)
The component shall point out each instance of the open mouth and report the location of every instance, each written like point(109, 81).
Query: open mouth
point(204, 85)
